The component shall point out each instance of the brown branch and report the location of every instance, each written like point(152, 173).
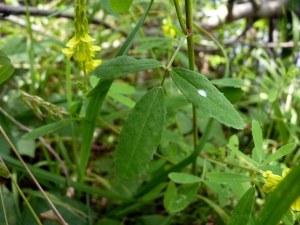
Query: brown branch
point(7, 10)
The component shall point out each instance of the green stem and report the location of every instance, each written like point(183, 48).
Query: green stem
point(68, 80)
point(69, 99)
point(26, 202)
point(179, 16)
point(30, 50)
point(191, 56)
point(3, 206)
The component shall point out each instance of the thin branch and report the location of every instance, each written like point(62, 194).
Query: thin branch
point(6, 10)
point(42, 140)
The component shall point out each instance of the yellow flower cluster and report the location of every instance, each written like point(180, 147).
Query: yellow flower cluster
point(273, 181)
point(167, 28)
point(80, 43)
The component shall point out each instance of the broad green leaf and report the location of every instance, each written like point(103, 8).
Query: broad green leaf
point(219, 210)
point(122, 99)
point(123, 65)
point(120, 5)
point(43, 130)
point(122, 88)
point(206, 97)
point(257, 153)
point(184, 178)
point(242, 211)
point(219, 177)
point(141, 135)
point(6, 68)
point(3, 171)
point(284, 150)
point(170, 194)
point(228, 82)
point(184, 197)
point(280, 199)
point(98, 95)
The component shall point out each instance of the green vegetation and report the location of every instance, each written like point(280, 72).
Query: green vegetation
point(150, 112)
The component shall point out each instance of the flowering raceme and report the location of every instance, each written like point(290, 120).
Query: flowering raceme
point(80, 44)
point(273, 181)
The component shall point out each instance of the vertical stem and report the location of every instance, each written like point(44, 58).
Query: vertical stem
point(3, 206)
point(30, 50)
point(191, 56)
point(69, 98)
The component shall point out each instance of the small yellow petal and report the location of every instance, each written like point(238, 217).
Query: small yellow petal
point(296, 205)
point(285, 172)
point(86, 38)
point(95, 48)
point(81, 55)
point(73, 42)
point(68, 52)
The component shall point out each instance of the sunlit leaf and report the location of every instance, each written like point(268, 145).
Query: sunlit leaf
point(258, 153)
point(123, 65)
point(206, 97)
point(184, 178)
point(219, 177)
point(120, 5)
point(284, 150)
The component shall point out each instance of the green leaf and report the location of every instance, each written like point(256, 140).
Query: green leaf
point(3, 171)
point(280, 199)
point(26, 147)
point(284, 150)
point(288, 218)
point(123, 65)
point(120, 5)
point(98, 95)
point(122, 88)
point(43, 130)
point(184, 197)
point(242, 211)
point(258, 153)
point(122, 99)
point(206, 97)
point(184, 178)
point(228, 82)
point(170, 194)
point(6, 68)
point(227, 177)
point(141, 135)
point(232, 94)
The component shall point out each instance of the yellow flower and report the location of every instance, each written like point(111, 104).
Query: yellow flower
point(272, 183)
point(80, 44)
point(167, 28)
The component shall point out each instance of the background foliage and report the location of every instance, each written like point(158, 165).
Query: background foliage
point(123, 150)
